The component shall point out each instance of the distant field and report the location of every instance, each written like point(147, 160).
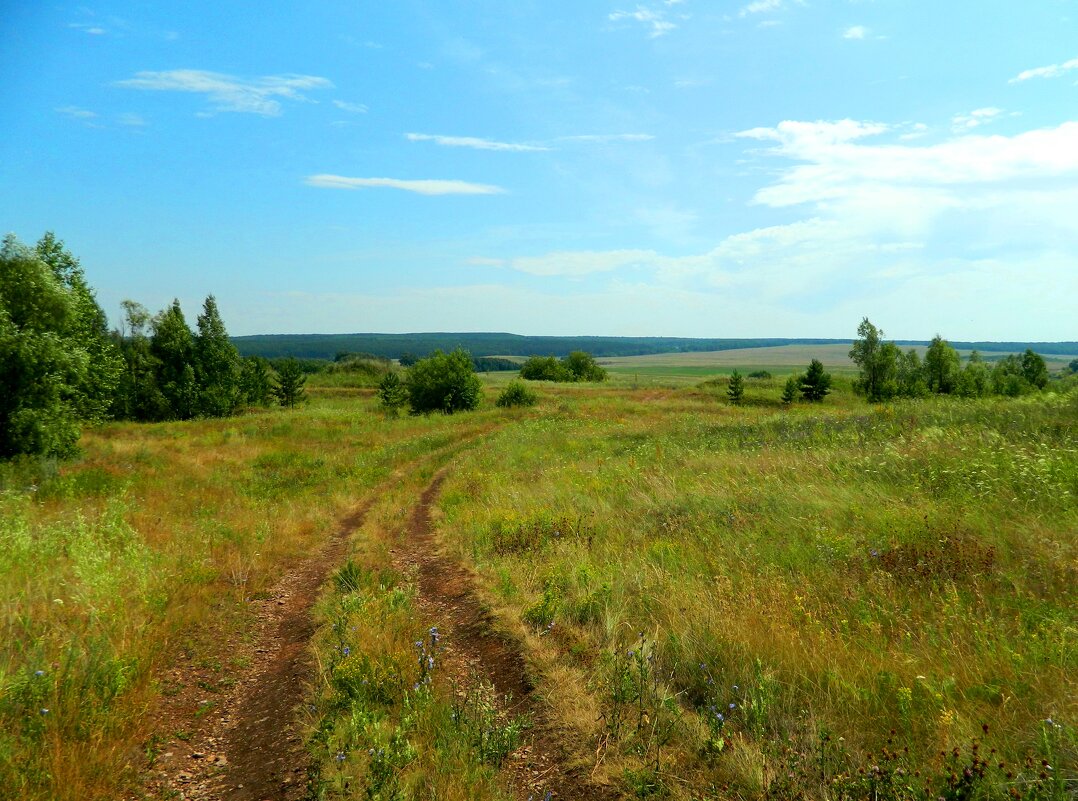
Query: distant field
point(776, 359)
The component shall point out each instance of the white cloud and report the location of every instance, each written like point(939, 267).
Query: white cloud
point(132, 120)
point(855, 32)
point(89, 28)
point(607, 138)
point(1051, 71)
point(473, 142)
point(421, 187)
point(76, 113)
point(760, 7)
point(579, 263)
point(654, 18)
point(354, 108)
point(834, 166)
point(229, 93)
point(974, 119)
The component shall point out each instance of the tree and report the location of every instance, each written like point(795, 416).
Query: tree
point(1073, 366)
point(790, 390)
point(735, 390)
point(256, 384)
point(95, 390)
point(44, 363)
point(173, 346)
point(1034, 369)
point(544, 368)
point(216, 364)
point(941, 366)
point(138, 397)
point(816, 384)
point(975, 379)
point(290, 380)
point(392, 393)
point(877, 360)
point(443, 382)
point(910, 375)
point(583, 367)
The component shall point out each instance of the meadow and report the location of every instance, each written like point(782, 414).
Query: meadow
point(826, 601)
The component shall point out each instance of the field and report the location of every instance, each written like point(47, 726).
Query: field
point(684, 599)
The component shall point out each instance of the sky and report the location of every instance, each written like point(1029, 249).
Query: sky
point(756, 168)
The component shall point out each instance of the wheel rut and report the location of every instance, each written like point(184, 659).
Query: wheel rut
point(448, 597)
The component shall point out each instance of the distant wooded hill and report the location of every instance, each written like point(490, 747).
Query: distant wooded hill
point(393, 346)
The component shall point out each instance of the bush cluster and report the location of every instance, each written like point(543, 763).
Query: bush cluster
point(577, 366)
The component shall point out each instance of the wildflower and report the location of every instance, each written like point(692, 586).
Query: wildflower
point(340, 756)
point(733, 706)
point(44, 711)
point(736, 688)
point(346, 650)
point(42, 673)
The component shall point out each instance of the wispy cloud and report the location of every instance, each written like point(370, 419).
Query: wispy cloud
point(76, 113)
point(229, 93)
point(90, 28)
point(132, 120)
point(855, 32)
point(421, 187)
point(654, 18)
point(580, 263)
point(473, 142)
point(1051, 71)
point(760, 7)
point(352, 108)
point(975, 118)
point(606, 138)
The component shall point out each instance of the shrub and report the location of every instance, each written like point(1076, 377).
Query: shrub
point(577, 366)
point(443, 382)
point(516, 394)
point(735, 391)
point(392, 394)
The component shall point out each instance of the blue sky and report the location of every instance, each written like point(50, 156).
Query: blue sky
point(667, 167)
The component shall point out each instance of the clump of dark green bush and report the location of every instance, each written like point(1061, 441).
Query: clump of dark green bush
point(516, 394)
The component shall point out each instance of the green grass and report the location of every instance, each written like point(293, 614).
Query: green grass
point(836, 571)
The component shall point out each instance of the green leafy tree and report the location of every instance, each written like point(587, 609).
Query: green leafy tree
point(975, 380)
point(792, 387)
point(217, 365)
point(392, 394)
point(544, 368)
point(1073, 366)
point(43, 362)
point(816, 384)
point(942, 366)
point(583, 367)
point(1034, 369)
point(735, 390)
point(95, 390)
point(1008, 377)
point(256, 382)
point(516, 394)
point(877, 361)
point(290, 380)
point(138, 397)
point(173, 346)
point(443, 382)
point(910, 375)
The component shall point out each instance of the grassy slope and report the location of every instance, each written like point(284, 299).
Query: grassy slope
point(833, 568)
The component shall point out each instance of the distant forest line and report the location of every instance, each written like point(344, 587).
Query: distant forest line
point(393, 346)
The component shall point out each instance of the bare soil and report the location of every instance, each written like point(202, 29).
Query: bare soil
point(474, 648)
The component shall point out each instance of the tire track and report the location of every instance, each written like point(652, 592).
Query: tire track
point(447, 594)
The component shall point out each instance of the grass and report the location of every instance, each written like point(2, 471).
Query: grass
point(717, 602)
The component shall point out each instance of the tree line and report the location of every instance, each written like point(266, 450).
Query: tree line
point(887, 372)
point(61, 366)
